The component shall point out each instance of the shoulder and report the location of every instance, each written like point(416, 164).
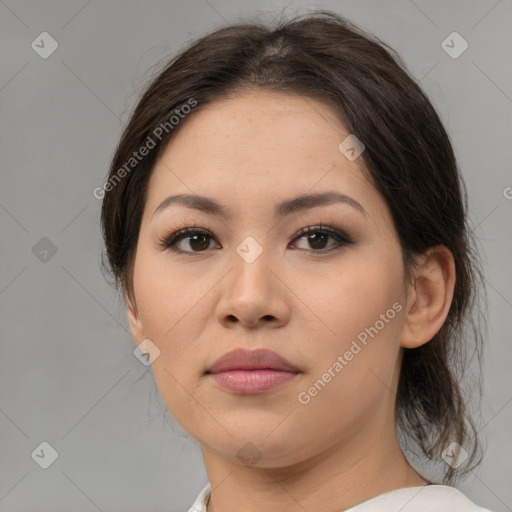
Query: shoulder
point(429, 498)
point(201, 501)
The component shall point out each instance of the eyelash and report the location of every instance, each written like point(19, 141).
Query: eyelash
point(170, 239)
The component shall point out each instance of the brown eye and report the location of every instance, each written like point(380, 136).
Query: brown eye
point(198, 240)
point(318, 237)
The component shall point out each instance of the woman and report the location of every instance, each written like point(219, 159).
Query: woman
point(287, 223)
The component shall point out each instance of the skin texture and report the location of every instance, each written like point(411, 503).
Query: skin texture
point(250, 152)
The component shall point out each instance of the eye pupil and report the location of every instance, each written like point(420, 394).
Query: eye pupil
point(315, 237)
point(193, 239)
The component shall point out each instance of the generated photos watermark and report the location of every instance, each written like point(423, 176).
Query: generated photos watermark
point(342, 361)
point(137, 156)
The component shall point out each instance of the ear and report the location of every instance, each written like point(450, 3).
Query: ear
point(134, 321)
point(430, 296)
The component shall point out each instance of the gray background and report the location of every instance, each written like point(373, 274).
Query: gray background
point(68, 373)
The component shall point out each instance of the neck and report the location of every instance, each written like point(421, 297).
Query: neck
point(337, 479)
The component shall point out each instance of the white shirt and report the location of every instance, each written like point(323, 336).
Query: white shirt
point(425, 498)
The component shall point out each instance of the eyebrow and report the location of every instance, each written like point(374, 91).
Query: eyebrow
point(287, 207)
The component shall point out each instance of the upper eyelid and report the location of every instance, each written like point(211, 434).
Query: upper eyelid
point(298, 230)
point(177, 236)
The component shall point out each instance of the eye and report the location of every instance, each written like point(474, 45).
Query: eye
point(198, 239)
point(317, 236)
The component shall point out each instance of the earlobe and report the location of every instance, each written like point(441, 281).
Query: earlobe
point(431, 297)
point(134, 322)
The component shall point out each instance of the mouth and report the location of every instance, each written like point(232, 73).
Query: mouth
point(251, 372)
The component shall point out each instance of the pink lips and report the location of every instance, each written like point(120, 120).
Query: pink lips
point(251, 372)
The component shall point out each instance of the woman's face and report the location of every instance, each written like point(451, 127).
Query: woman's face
point(334, 309)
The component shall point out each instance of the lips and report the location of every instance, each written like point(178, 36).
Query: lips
point(259, 359)
point(251, 372)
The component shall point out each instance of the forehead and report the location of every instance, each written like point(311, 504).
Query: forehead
point(259, 145)
point(263, 124)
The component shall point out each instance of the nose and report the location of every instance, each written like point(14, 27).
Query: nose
point(253, 293)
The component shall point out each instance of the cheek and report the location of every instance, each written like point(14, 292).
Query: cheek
point(169, 307)
point(169, 303)
point(353, 295)
point(354, 363)
point(361, 303)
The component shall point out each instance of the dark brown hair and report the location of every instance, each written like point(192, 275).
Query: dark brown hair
point(408, 158)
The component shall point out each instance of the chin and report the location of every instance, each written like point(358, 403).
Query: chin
point(256, 448)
